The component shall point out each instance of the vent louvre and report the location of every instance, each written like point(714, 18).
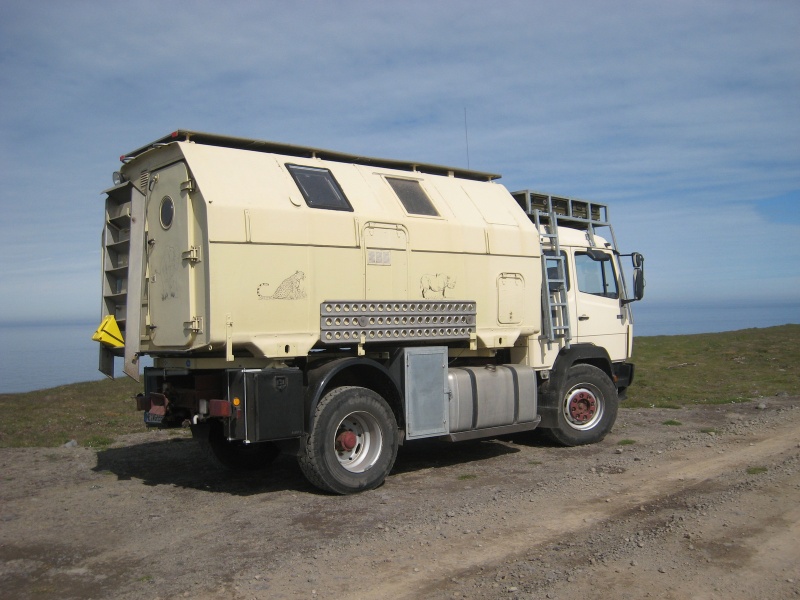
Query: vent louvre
point(347, 321)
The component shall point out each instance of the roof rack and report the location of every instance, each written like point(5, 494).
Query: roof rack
point(571, 212)
point(587, 216)
point(212, 139)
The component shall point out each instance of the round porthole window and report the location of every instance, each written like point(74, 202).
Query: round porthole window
point(167, 212)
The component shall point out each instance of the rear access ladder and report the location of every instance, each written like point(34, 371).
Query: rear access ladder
point(122, 251)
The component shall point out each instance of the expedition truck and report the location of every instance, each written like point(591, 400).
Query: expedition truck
point(332, 307)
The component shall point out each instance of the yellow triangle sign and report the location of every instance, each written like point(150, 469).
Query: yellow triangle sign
point(108, 333)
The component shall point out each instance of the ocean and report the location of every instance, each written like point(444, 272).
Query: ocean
point(40, 356)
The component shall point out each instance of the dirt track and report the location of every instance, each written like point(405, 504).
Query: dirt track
point(675, 515)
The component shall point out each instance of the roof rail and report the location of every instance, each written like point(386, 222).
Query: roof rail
point(212, 139)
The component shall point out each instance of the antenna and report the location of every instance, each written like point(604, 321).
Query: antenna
point(466, 134)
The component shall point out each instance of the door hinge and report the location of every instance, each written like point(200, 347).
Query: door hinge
point(187, 186)
point(195, 325)
point(192, 254)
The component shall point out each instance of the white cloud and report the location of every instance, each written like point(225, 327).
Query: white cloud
point(671, 112)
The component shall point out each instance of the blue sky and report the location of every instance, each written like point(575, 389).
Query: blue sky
point(684, 116)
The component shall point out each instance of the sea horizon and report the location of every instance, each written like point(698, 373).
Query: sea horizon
point(42, 355)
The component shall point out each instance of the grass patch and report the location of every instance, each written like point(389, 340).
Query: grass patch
point(92, 413)
point(626, 442)
point(708, 430)
point(714, 368)
point(466, 477)
point(97, 441)
point(756, 470)
point(671, 372)
point(672, 422)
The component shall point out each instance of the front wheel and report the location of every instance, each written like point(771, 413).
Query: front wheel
point(587, 407)
point(353, 442)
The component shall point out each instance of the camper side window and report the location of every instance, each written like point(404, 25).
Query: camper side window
point(413, 197)
point(319, 188)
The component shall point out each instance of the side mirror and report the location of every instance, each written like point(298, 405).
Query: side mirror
point(638, 283)
point(638, 277)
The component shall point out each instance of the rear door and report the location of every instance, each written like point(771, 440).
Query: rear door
point(171, 259)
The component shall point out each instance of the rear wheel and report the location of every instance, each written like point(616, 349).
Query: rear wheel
point(587, 407)
point(353, 442)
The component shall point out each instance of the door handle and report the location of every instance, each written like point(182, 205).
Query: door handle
point(583, 318)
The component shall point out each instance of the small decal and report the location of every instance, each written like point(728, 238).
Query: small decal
point(291, 288)
point(379, 257)
point(436, 286)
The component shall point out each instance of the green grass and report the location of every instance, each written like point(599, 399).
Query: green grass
point(672, 422)
point(626, 442)
point(715, 368)
point(466, 477)
point(92, 413)
point(756, 470)
point(671, 372)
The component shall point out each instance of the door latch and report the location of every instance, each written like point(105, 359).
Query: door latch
point(192, 254)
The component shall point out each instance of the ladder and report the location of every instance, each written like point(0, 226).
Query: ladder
point(555, 302)
point(122, 248)
point(548, 212)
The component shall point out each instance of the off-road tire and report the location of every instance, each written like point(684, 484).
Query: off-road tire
point(353, 442)
point(587, 407)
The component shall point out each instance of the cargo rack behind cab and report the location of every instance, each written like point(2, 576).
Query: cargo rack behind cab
point(569, 212)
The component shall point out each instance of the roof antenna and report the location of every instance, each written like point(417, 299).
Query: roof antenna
point(466, 134)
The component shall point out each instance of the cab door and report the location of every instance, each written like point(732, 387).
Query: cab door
point(171, 259)
point(600, 317)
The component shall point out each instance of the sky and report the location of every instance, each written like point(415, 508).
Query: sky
point(683, 116)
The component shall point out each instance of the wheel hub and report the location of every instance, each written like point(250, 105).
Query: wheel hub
point(358, 441)
point(346, 441)
point(582, 407)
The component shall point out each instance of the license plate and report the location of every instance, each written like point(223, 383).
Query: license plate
point(151, 419)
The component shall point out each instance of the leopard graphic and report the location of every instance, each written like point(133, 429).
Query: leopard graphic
point(290, 288)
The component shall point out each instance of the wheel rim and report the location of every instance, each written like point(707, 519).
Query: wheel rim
point(583, 407)
point(358, 442)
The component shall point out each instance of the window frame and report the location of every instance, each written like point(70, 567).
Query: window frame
point(406, 207)
point(605, 280)
point(295, 170)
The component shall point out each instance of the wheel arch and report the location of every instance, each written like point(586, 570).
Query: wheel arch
point(352, 371)
point(549, 390)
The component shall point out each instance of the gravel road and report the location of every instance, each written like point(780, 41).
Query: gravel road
point(705, 507)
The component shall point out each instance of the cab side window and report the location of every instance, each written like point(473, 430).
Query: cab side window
point(595, 276)
point(552, 269)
